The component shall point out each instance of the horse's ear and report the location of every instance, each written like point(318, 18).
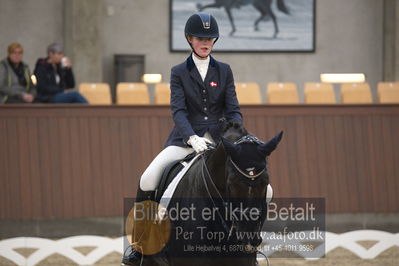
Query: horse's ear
point(268, 147)
point(230, 148)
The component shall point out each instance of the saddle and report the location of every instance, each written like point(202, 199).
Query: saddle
point(170, 172)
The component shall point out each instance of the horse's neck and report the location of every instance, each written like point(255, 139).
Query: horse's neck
point(216, 164)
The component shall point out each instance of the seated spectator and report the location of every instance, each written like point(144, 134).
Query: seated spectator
point(54, 76)
point(15, 79)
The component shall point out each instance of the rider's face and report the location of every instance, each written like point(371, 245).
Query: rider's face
point(202, 46)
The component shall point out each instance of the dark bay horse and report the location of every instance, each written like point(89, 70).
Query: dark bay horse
point(263, 6)
point(227, 183)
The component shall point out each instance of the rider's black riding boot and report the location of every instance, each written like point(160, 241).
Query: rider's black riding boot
point(134, 257)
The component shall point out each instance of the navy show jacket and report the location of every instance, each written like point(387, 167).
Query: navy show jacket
point(200, 106)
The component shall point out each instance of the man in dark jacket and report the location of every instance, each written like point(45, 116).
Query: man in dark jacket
point(54, 76)
point(15, 79)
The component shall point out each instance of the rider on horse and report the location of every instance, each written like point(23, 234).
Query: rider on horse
point(203, 98)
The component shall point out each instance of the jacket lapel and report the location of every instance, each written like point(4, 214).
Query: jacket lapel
point(212, 71)
point(197, 77)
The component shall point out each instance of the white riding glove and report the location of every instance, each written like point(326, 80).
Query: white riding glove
point(199, 144)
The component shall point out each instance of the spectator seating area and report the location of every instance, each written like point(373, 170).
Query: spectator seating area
point(248, 93)
point(388, 92)
point(132, 93)
point(319, 93)
point(282, 93)
point(96, 93)
point(162, 93)
point(356, 93)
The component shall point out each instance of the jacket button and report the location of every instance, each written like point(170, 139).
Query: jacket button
point(203, 91)
point(204, 100)
point(205, 108)
point(206, 118)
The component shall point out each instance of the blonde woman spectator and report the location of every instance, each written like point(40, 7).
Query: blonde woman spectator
point(15, 78)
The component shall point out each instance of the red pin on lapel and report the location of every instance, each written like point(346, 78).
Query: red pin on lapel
point(213, 84)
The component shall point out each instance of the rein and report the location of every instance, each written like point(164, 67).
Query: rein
point(228, 230)
point(224, 223)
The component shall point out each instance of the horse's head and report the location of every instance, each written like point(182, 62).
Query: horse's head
point(247, 180)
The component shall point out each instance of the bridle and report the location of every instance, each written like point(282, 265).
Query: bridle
point(252, 177)
point(248, 139)
point(229, 229)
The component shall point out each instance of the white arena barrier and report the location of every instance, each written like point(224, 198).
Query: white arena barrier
point(348, 241)
point(65, 247)
point(105, 245)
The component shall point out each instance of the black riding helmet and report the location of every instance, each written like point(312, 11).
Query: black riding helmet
point(202, 25)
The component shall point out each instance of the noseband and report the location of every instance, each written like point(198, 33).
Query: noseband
point(251, 175)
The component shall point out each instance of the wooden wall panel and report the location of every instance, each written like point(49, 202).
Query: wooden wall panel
point(81, 161)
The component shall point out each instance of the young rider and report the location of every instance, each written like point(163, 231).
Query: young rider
point(203, 98)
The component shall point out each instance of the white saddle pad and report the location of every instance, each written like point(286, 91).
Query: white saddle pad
point(170, 190)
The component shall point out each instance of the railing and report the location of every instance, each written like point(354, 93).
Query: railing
point(101, 247)
point(81, 161)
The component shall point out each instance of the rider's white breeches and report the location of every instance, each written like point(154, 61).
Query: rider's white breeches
point(152, 175)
